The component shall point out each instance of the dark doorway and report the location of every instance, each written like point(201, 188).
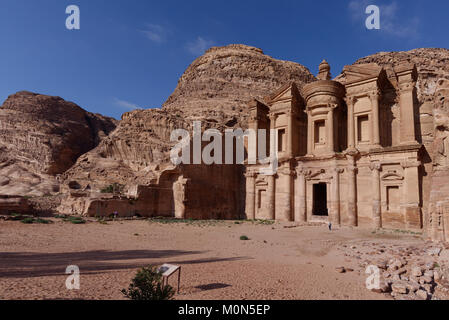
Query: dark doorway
point(320, 200)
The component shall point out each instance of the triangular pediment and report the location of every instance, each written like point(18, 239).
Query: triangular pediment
point(361, 72)
point(286, 92)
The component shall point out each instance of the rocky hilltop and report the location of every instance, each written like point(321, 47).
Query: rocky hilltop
point(215, 89)
point(43, 136)
point(218, 85)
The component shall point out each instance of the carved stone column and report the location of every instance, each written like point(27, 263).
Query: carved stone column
point(330, 123)
point(300, 195)
point(352, 191)
point(377, 208)
point(407, 113)
point(290, 117)
point(271, 196)
point(411, 206)
point(250, 195)
point(273, 118)
point(309, 134)
point(254, 124)
point(335, 196)
point(286, 201)
point(351, 130)
point(375, 96)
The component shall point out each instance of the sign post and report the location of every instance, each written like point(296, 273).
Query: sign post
point(167, 270)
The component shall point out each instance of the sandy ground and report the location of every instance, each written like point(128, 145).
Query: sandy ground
point(278, 262)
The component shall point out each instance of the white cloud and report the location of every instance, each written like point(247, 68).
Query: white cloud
point(125, 104)
point(199, 46)
point(390, 21)
point(156, 33)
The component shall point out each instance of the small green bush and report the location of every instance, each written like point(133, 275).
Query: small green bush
point(43, 221)
point(244, 238)
point(27, 220)
point(75, 220)
point(147, 285)
point(113, 188)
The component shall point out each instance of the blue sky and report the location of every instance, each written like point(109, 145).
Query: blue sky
point(131, 53)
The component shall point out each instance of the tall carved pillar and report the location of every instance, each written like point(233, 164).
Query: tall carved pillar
point(271, 195)
point(286, 212)
point(290, 117)
point(273, 118)
point(351, 130)
point(375, 96)
point(335, 196)
point(407, 113)
point(250, 195)
point(352, 191)
point(300, 195)
point(330, 135)
point(309, 134)
point(411, 206)
point(377, 213)
point(255, 126)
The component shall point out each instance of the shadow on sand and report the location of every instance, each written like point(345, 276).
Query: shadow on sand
point(30, 264)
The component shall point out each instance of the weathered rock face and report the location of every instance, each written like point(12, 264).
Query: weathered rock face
point(215, 90)
point(42, 136)
point(439, 193)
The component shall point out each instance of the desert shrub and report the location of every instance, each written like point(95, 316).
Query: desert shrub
point(113, 188)
point(244, 238)
point(16, 217)
point(147, 285)
point(28, 220)
point(43, 221)
point(75, 220)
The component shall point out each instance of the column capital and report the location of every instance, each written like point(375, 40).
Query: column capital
point(300, 171)
point(287, 172)
point(352, 153)
point(352, 169)
point(375, 166)
point(407, 86)
point(338, 170)
point(374, 95)
point(350, 100)
point(273, 116)
point(410, 164)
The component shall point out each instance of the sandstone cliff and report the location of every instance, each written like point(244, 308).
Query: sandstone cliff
point(41, 137)
point(214, 89)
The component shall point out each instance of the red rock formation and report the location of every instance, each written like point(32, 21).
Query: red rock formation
point(42, 136)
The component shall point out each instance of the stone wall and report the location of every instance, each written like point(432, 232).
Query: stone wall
point(13, 204)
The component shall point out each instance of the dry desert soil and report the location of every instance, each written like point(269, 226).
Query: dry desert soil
point(280, 261)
